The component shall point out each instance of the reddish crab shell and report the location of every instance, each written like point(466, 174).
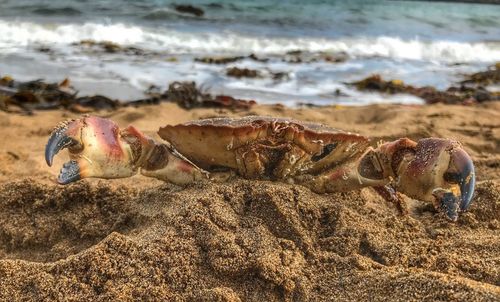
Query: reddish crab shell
point(259, 146)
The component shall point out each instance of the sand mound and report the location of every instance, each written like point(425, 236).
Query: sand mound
point(139, 239)
point(242, 240)
point(45, 224)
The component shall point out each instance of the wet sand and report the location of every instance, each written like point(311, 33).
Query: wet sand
point(140, 239)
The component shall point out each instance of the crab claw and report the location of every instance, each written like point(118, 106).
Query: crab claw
point(460, 175)
point(97, 148)
point(70, 172)
point(441, 172)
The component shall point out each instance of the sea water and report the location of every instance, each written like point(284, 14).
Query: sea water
point(421, 43)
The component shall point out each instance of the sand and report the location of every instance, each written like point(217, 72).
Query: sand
point(139, 239)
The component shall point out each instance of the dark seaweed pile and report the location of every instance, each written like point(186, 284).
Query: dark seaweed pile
point(25, 97)
point(469, 91)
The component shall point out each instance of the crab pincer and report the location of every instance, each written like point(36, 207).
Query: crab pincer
point(95, 148)
point(99, 148)
point(60, 140)
point(439, 171)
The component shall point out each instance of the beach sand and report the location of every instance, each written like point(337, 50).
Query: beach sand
point(139, 239)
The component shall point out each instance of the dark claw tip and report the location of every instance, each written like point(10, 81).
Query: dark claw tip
point(69, 173)
point(58, 140)
point(465, 177)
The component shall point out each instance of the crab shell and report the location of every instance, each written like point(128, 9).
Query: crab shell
point(262, 147)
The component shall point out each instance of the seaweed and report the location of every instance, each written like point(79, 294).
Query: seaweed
point(188, 96)
point(110, 47)
point(242, 72)
point(189, 9)
point(488, 77)
point(26, 97)
point(469, 91)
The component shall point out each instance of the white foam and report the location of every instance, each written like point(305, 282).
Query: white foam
point(17, 34)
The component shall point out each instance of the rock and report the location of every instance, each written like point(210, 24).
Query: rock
point(375, 82)
point(219, 60)
point(242, 72)
point(335, 57)
point(230, 102)
point(226, 60)
point(189, 9)
point(110, 47)
point(299, 56)
point(280, 76)
point(97, 102)
point(44, 49)
point(255, 58)
point(6, 81)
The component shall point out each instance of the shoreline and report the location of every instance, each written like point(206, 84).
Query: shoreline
point(461, 1)
point(29, 96)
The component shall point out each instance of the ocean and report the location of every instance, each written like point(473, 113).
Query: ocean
point(421, 43)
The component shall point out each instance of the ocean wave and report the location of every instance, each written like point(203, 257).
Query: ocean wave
point(17, 34)
point(57, 11)
point(167, 14)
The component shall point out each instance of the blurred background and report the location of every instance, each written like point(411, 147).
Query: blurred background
point(287, 52)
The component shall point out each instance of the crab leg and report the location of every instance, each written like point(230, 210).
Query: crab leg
point(98, 148)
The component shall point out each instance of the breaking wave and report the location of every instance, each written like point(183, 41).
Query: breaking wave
point(63, 11)
point(17, 34)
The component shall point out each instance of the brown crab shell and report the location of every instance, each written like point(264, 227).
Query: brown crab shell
point(215, 142)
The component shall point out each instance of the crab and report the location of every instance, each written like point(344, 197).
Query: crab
point(321, 158)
